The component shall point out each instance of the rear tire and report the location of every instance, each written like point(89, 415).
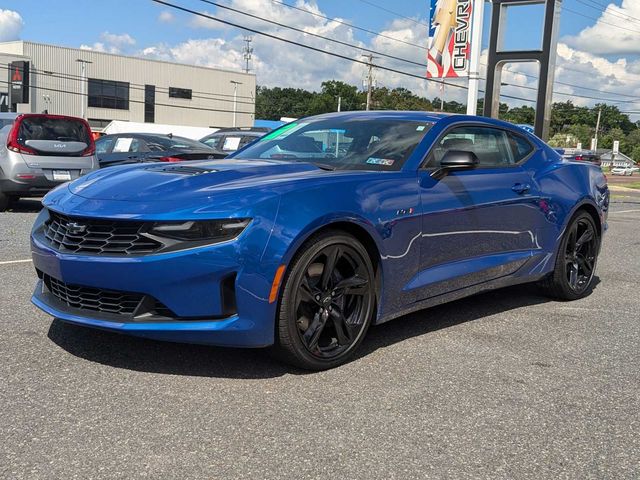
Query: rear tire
point(572, 277)
point(327, 302)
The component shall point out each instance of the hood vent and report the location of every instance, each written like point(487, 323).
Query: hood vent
point(182, 170)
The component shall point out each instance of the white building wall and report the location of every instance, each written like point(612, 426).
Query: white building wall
point(55, 74)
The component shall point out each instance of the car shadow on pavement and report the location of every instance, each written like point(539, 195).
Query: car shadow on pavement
point(25, 205)
point(151, 356)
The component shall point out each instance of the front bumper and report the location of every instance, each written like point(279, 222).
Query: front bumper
point(230, 331)
point(191, 283)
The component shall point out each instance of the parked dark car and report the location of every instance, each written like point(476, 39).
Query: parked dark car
point(228, 140)
point(124, 148)
point(582, 156)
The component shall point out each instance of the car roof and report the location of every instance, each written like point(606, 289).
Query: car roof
point(397, 114)
point(8, 115)
point(148, 135)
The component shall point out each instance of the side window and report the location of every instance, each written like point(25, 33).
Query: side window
point(138, 145)
point(520, 146)
point(103, 145)
point(491, 145)
point(213, 142)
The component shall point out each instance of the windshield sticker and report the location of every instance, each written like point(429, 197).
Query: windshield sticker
point(380, 161)
point(231, 143)
point(284, 132)
point(421, 128)
point(122, 144)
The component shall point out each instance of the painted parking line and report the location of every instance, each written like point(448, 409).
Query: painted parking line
point(10, 262)
point(624, 211)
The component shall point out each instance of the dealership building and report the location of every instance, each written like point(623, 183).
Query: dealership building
point(103, 87)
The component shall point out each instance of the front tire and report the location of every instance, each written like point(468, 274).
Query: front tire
point(327, 302)
point(572, 277)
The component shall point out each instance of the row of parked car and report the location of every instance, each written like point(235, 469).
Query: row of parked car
point(40, 151)
point(593, 157)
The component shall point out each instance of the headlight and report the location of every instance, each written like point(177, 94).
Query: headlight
point(207, 230)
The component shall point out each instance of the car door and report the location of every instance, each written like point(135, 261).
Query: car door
point(477, 224)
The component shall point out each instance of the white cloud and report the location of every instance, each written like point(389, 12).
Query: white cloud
point(11, 24)
point(111, 43)
point(617, 31)
point(166, 17)
point(118, 40)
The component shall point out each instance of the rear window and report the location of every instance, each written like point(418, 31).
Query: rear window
point(53, 129)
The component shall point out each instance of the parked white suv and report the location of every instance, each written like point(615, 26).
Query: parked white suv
point(40, 151)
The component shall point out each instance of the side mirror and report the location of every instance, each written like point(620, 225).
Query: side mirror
point(455, 160)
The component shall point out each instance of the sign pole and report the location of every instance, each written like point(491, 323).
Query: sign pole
point(477, 16)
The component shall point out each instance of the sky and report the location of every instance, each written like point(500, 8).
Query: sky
point(598, 48)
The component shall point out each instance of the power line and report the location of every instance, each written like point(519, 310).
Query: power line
point(300, 30)
point(350, 25)
point(605, 9)
point(316, 49)
point(384, 9)
point(132, 86)
point(72, 76)
point(303, 45)
point(599, 20)
point(187, 107)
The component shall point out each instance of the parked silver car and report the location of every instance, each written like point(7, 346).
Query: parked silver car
point(40, 151)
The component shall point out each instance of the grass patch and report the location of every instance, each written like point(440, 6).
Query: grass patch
point(635, 185)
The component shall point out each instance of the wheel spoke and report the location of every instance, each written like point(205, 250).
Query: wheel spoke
point(343, 330)
point(308, 293)
point(312, 334)
point(571, 243)
point(355, 285)
point(587, 236)
point(573, 276)
point(333, 254)
point(587, 266)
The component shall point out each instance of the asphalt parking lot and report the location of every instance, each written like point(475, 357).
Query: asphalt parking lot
point(502, 385)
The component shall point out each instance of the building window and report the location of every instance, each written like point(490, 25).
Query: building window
point(98, 122)
point(149, 103)
point(175, 92)
point(108, 94)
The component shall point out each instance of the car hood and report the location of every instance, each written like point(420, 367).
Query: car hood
point(156, 182)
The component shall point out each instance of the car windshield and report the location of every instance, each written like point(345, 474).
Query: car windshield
point(53, 129)
point(356, 143)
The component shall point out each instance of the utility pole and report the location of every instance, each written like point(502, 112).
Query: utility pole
point(235, 99)
point(370, 66)
point(339, 102)
point(477, 16)
point(83, 85)
point(595, 140)
point(442, 96)
point(247, 52)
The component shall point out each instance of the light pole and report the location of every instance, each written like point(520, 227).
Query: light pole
point(235, 98)
point(83, 76)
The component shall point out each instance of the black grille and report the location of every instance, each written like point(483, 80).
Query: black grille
point(87, 235)
point(107, 301)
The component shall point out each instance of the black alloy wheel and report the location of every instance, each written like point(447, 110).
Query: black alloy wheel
point(327, 302)
point(575, 265)
point(580, 254)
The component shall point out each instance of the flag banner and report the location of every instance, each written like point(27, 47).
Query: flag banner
point(449, 38)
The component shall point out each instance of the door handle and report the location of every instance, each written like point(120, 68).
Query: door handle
point(521, 188)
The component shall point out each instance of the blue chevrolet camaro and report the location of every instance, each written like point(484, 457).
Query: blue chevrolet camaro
point(303, 239)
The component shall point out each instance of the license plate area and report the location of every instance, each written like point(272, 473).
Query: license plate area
point(61, 175)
